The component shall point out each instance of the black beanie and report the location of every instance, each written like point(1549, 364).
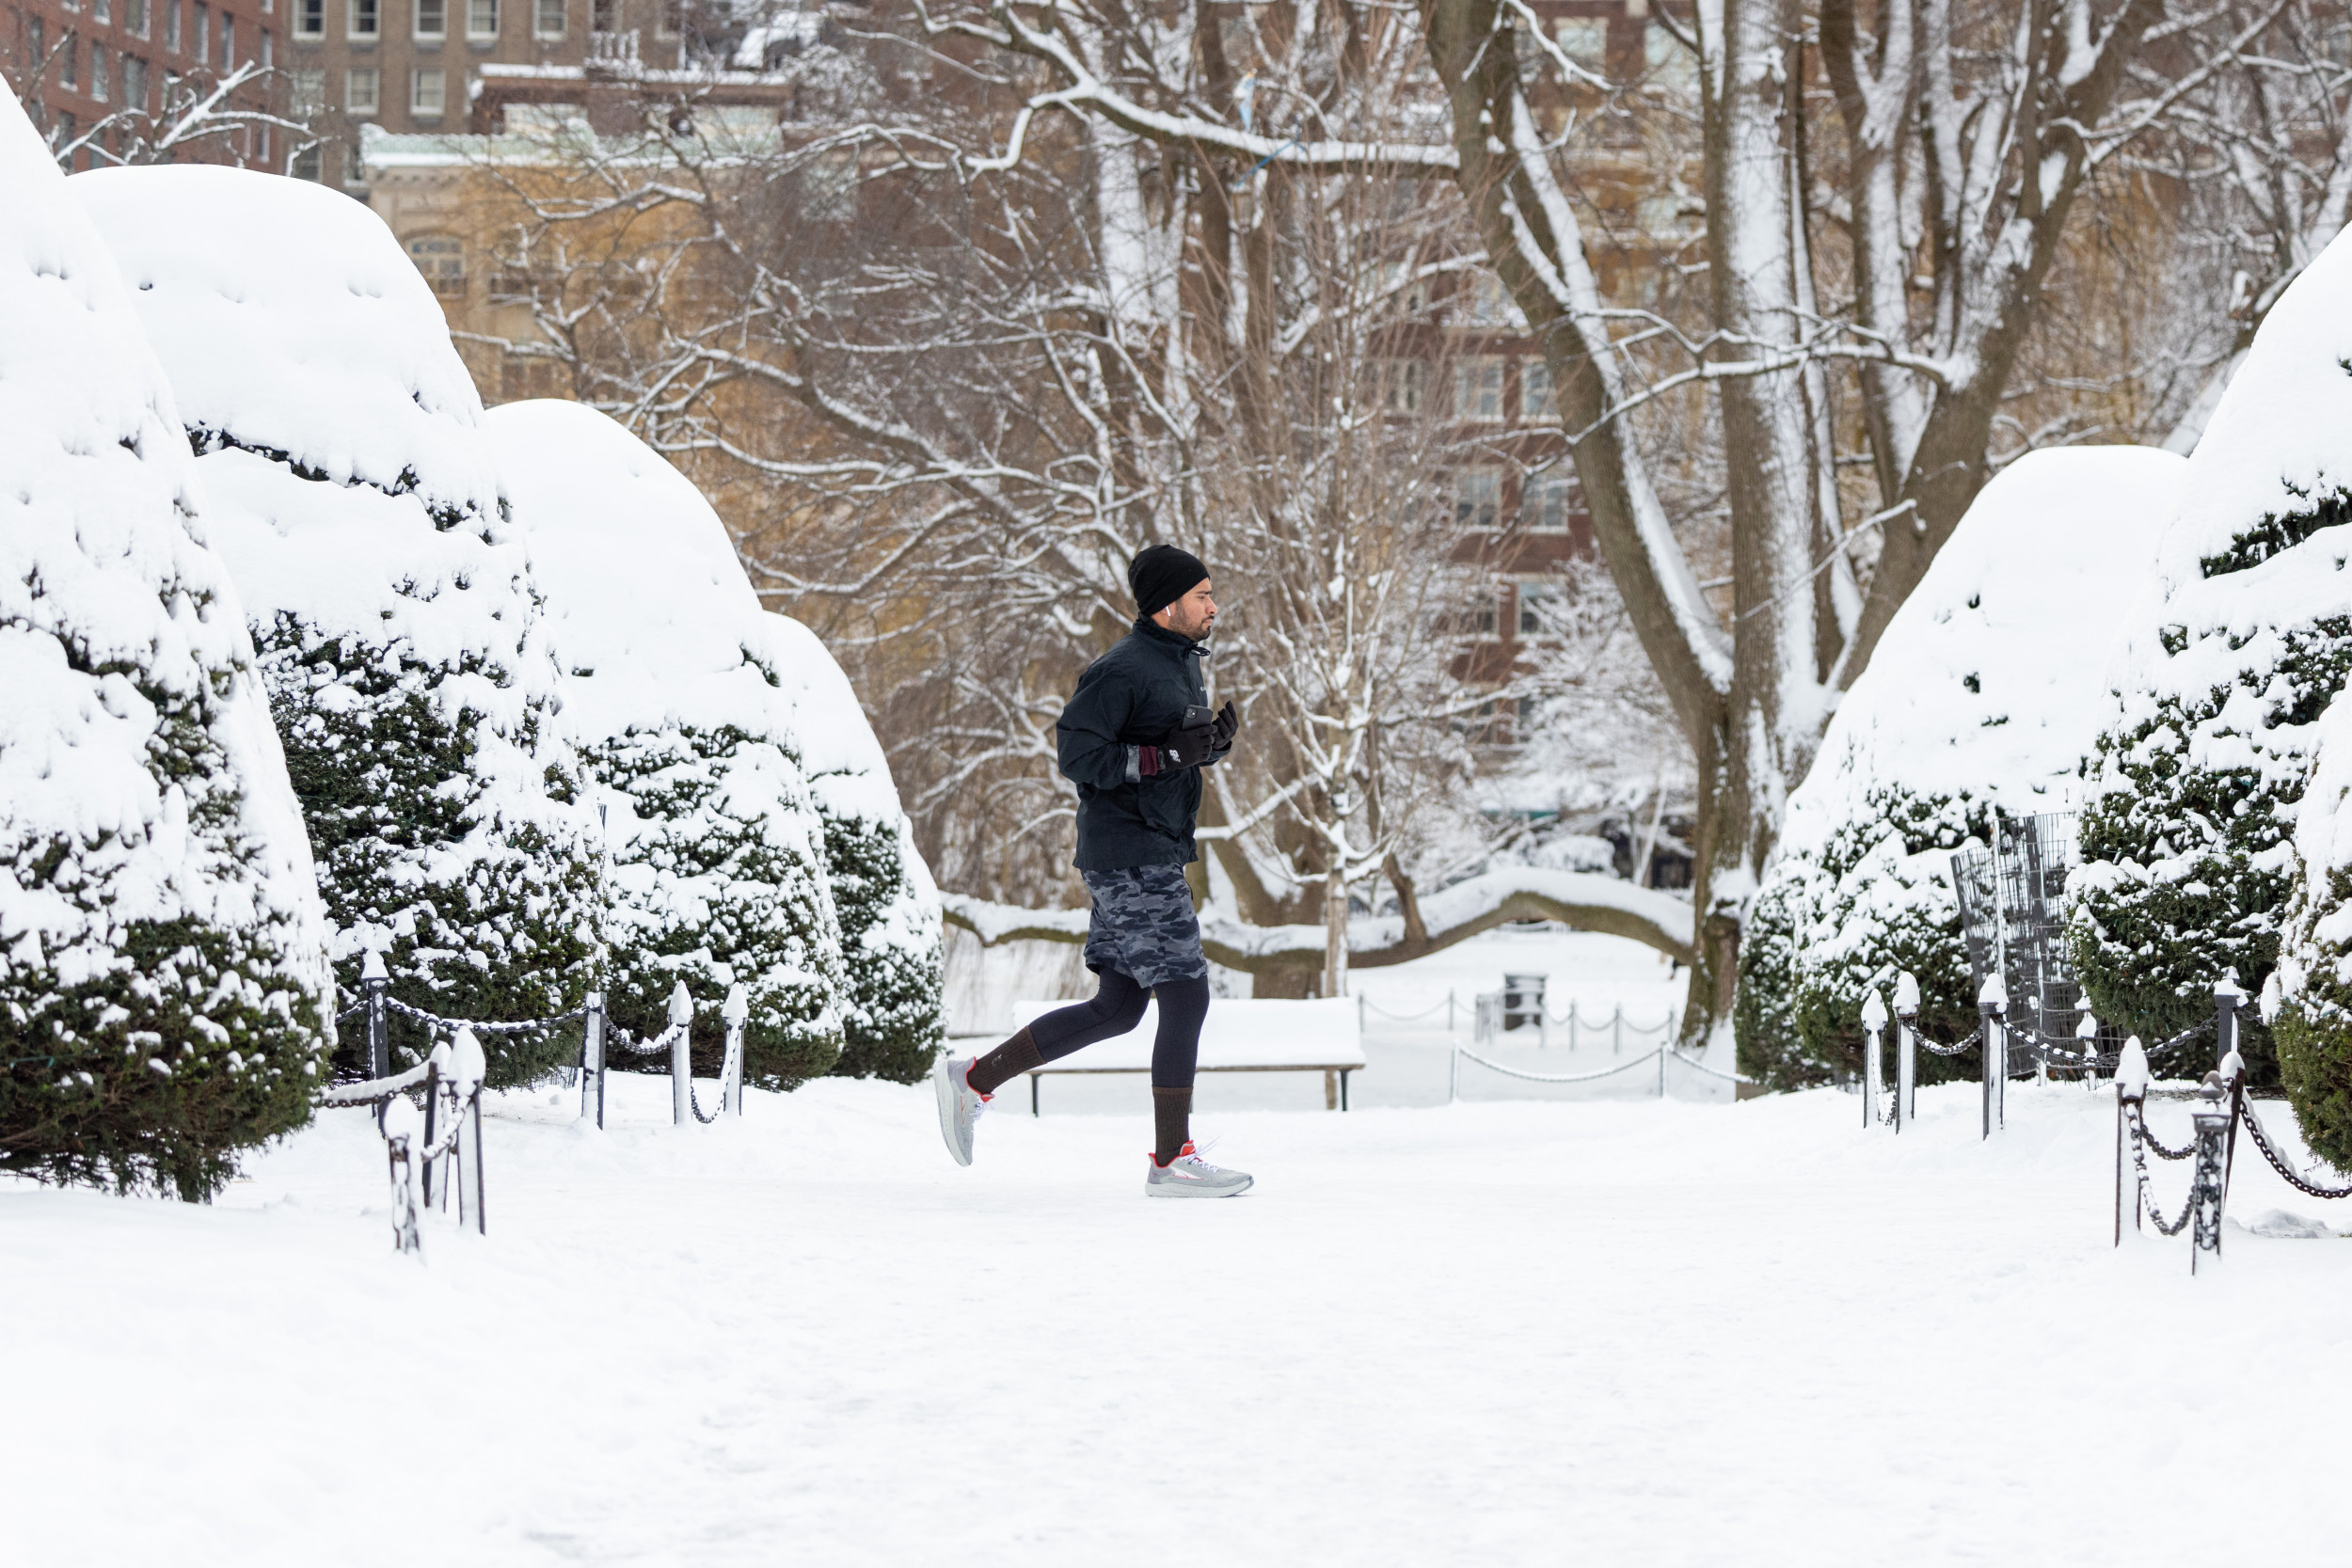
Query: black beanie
point(1162, 574)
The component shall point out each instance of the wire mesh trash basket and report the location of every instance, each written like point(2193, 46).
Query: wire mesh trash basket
point(2012, 913)
point(1523, 1001)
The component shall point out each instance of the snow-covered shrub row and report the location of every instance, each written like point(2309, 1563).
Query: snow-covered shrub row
point(1984, 695)
point(2201, 768)
point(894, 1015)
point(750, 839)
point(163, 984)
point(2313, 1028)
point(356, 503)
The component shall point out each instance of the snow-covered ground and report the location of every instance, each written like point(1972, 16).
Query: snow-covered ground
point(1640, 1333)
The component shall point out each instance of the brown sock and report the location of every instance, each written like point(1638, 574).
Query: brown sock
point(1172, 1119)
point(1015, 1057)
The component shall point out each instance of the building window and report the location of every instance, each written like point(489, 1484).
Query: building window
point(606, 16)
point(1585, 41)
point(171, 26)
point(228, 42)
point(1478, 389)
point(311, 19)
point(203, 33)
point(428, 93)
point(1486, 303)
point(1535, 392)
point(134, 83)
point(309, 89)
point(269, 53)
point(1478, 496)
point(101, 10)
point(98, 84)
point(548, 19)
point(1404, 385)
point(306, 165)
point(668, 24)
point(482, 19)
point(135, 18)
point(35, 39)
point(1539, 609)
point(442, 259)
point(1544, 502)
point(69, 61)
point(360, 89)
point(363, 19)
point(431, 19)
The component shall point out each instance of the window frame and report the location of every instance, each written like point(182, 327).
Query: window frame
point(1493, 369)
point(417, 29)
point(417, 78)
point(539, 9)
point(374, 105)
point(372, 10)
point(496, 18)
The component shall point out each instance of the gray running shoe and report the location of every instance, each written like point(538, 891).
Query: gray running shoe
point(1190, 1176)
point(960, 1105)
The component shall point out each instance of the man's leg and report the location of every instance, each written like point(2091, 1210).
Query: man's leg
point(1117, 1007)
point(1175, 1056)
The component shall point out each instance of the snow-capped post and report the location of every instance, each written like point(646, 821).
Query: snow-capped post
point(1992, 1011)
point(2131, 1095)
point(374, 985)
point(2227, 999)
point(1906, 1048)
point(468, 1065)
point(399, 1138)
point(736, 1010)
point(436, 1068)
point(2086, 1038)
point(592, 1060)
point(681, 1061)
point(2211, 1118)
point(1873, 1070)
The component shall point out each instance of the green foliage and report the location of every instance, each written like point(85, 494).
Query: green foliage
point(896, 1022)
point(720, 884)
point(485, 902)
point(2186, 861)
point(1873, 901)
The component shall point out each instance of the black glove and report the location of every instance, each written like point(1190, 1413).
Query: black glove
point(1221, 731)
point(1182, 748)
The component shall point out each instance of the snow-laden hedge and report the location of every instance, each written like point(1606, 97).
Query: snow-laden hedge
point(2200, 770)
point(889, 907)
point(1982, 695)
point(679, 704)
point(357, 506)
point(2313, 1028)
point(164, 986)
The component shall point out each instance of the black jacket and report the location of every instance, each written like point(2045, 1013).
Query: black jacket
point(1130, 697)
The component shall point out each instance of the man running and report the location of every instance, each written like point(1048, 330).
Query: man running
point(1133, 738)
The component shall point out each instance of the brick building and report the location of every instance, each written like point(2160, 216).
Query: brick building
point(98, 76)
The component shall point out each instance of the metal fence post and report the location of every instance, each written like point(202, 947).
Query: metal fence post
point(1662, 1068)
point(2212, 1119)
point(737, 1010)
point(468, 1066)
point(400, 1136)
point(1992, 1004)
point(592, 1060)
point(681, 1063)
point(374, 985)
point(1873, 1070)
point(2087, 1037)
point(433, 1065)
point(2131, 1095)
point(1906, 1048)
point(2226, 997)
point(1616, 1031)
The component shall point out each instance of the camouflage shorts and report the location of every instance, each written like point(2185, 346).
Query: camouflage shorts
point(1143, 926)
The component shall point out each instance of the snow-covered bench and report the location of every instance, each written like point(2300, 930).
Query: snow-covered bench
point(1237, 1037)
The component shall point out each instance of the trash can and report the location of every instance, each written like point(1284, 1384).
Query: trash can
point(1523, 1001)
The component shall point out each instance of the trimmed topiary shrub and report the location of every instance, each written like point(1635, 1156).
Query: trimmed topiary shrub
point(163, 987)
point(676, 701)
point(896, 1018)
point(2200, 770)
point(2312, 1001)
point(359, 510)
point(1979, 698)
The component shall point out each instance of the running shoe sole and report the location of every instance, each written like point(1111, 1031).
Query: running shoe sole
point(944, 1085)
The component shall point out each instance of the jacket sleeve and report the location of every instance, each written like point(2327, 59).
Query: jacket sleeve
point(1088, 748)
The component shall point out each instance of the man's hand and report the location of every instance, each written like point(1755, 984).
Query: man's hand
point(1177, 750)
point(1222, 730)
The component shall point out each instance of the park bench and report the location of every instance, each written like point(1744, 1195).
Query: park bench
point(1239, 1036)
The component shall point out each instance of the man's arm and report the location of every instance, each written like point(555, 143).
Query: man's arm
point(1087, 745)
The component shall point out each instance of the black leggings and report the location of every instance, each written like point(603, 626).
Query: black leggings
point(1117, 1007)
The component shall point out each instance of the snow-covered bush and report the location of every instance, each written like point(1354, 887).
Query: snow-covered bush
point(1984, 695)
point(889, 907)
point(163, 987)
point(2200, 770)
point(678, 702)
point(357, 504)
point(2313, 1027)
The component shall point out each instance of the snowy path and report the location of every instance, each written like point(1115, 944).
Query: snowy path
point(1639, 1333)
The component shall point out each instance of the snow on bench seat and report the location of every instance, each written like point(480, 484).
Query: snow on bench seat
point(1238, 1036)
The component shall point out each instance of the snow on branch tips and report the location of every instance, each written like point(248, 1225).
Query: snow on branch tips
point(163, 983)
point(355, 499)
